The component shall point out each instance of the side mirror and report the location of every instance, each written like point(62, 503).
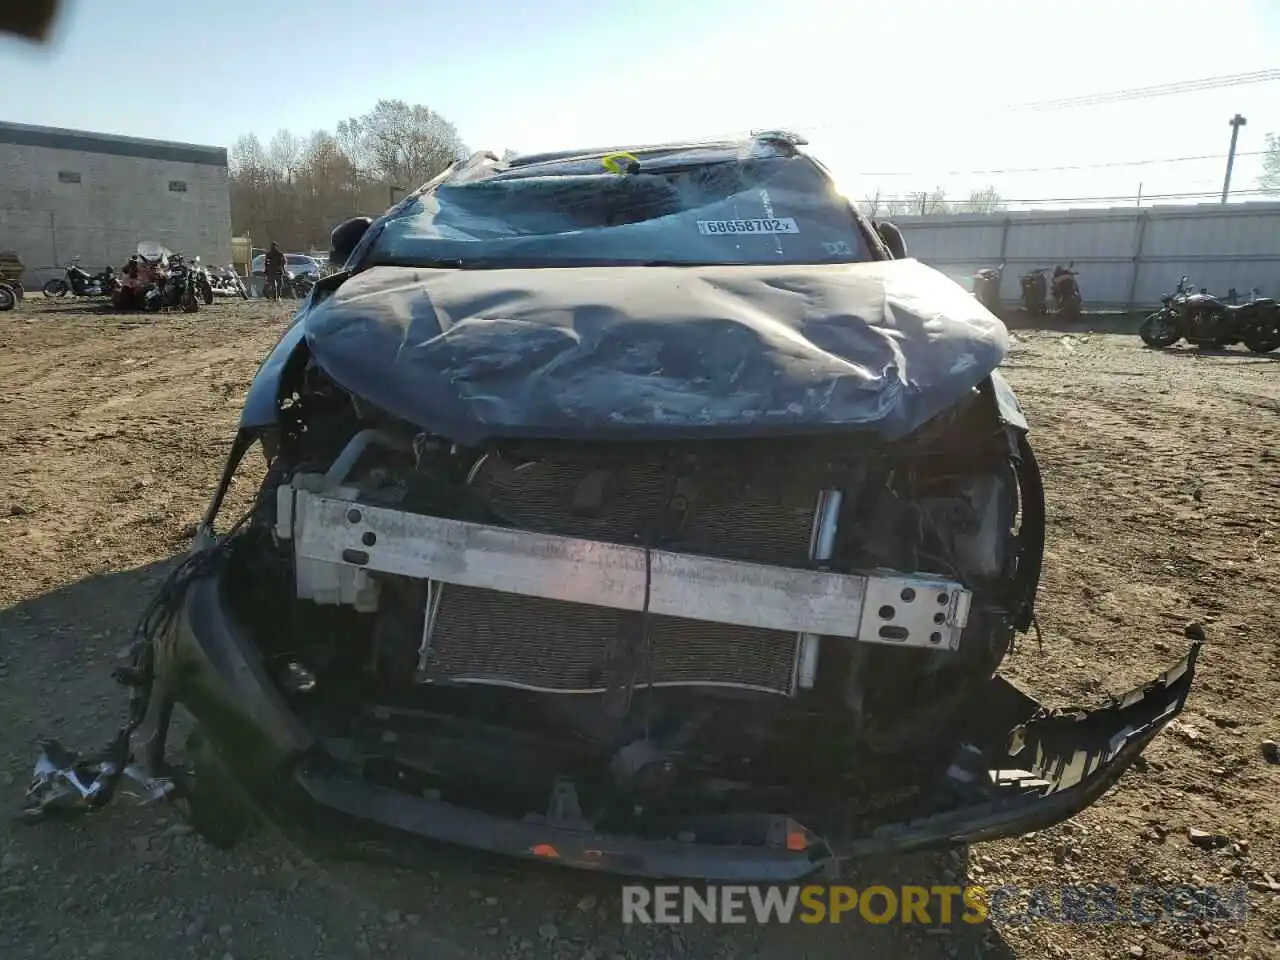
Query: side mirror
point(345, 236)
point(892, 238)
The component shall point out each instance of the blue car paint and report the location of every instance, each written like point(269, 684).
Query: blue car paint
point(260, 403)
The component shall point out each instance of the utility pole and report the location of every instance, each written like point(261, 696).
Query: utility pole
point(1235, 123)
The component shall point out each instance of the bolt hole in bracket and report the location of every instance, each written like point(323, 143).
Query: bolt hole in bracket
point(903, 610)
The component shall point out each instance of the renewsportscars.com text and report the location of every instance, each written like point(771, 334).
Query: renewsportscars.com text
point(879, 904)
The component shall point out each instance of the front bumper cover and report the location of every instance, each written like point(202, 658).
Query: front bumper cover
point(1020, 768)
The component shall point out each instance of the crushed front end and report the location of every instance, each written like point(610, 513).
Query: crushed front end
point(726, 660)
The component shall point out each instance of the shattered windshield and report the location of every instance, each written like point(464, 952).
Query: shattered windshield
point(753, 210)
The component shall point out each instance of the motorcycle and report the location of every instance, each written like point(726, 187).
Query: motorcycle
point(11, 288)
point(986, 287)
point(1206, 321)
point(1035, 288)
point(181, 287)
point(81, 283)
point(299, 284)
point(203, 281)
point(142, 280)
point(1066, 291)
point(227, 283)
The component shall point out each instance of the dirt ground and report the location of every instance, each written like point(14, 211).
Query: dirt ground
point(1162, 471)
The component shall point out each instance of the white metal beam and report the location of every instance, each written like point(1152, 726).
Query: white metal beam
point(915, 611)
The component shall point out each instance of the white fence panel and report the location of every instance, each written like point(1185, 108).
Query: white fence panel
point(1127, 257)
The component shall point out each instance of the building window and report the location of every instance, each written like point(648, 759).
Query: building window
point(68, 176)
point(177, 186)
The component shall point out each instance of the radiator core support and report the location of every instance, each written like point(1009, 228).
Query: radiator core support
point(716, 618)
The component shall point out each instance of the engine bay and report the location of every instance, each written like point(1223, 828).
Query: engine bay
point(735, 612)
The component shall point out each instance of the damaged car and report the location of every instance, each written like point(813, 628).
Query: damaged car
point(642, 510)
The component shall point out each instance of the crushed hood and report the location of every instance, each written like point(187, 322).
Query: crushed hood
point(657, 352)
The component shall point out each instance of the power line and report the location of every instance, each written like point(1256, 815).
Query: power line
point(1158, 90)
point(1106, 97)
point(1078, 166)
point(1144, 197)
point(1119, 198)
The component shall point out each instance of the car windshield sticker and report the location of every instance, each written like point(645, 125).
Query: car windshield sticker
point(621, 162)
point(758, 225)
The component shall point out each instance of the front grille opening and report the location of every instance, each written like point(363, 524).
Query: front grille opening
point(484, 636)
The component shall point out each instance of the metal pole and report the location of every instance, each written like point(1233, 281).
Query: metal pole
point(1139, 195)
point(1004, 250)
point(1235, 123)
point(1138, 242)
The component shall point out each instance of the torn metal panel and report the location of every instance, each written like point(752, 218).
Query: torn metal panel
point(63, 782)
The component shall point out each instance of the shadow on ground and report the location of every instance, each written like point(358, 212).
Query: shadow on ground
point(269, 898)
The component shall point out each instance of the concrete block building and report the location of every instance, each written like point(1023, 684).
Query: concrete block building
point(70, 193)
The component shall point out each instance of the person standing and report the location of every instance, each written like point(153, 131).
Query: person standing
point(273, 267)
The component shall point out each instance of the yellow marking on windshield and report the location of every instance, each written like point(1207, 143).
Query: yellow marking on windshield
point(612, 162)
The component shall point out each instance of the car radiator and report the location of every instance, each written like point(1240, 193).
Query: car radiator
point(483, 636)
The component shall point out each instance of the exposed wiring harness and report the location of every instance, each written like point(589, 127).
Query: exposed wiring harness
point(63, 782)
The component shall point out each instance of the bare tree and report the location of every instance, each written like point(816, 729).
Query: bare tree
point(250, 182)
point(283, 154)
point(406, 144)
point(351, 140)
point(879, 205)
point(247, 156)
point(932, 203)
point(295, 189)
point(986, 200)
point(1270, 179)
point(928, 203)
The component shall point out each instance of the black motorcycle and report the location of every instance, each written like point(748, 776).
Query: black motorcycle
point(203, 281)
point(1035, 289)
point(1066, 291)
point(1206, 321)
point(298, 285)
point(181, 285)
point(81, 283)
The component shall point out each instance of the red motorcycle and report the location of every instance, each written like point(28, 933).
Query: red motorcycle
point(142, 280)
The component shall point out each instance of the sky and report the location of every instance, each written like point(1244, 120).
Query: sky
point(895, 97)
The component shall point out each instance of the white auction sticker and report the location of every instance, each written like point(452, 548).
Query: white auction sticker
point(775, 225)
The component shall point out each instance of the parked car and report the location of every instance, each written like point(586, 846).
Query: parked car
point(299, 266)
point(638, 511)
